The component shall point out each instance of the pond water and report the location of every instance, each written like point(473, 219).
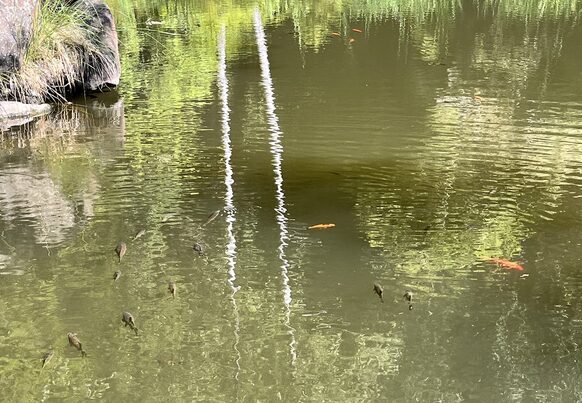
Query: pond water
point(435, 139)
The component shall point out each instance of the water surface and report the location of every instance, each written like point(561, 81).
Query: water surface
point(435, 139)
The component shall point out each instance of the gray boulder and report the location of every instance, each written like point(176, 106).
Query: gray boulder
point(17, 113)
point(107, 69)
point(95, 70)
point(16, 19)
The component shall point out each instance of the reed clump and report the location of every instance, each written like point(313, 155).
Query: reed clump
point(63, 49)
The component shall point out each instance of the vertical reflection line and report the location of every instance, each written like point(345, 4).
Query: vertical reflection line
point(276, 151)
point(228, 197)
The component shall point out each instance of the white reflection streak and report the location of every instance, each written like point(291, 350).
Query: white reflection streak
point(276, 150)
point(228, 197)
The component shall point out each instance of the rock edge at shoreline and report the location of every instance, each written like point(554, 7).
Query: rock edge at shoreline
point(14, 113)
point(86, 59)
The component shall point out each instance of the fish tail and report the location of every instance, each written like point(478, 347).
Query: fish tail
point(83, 353)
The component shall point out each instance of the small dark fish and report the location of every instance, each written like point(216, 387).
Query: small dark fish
point(46, 357)
point(116, 275)
point(172, 289)
point(212, 217)
point(379, 290)
point(408, 296)
point(139, 235)
point(75, 342)
point(128, 320)
point(198, 248)
point(120, 249)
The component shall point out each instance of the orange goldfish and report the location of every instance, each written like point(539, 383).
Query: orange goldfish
point(506, 264)
point(321, 226)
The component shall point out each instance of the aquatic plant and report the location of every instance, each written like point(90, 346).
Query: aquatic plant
point(530, 10)
point(63, 46)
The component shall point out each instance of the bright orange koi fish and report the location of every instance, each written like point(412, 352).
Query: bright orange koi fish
point(506, 264)
point(321, 226)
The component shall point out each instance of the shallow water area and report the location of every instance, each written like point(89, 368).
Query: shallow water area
point(436, 140)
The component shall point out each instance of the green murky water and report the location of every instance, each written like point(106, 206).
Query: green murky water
point(435, 139)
